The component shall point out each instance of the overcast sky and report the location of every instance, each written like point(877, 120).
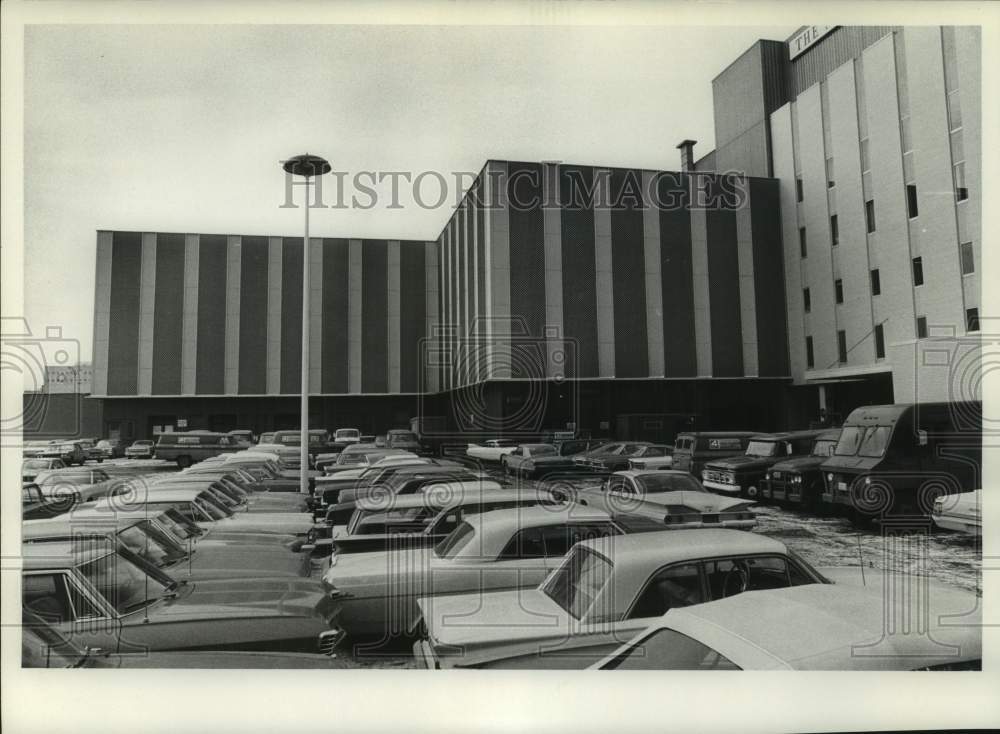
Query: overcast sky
point(181, 128)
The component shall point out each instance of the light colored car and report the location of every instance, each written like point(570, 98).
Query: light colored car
point(68, 488)
point(535, 460)
point(111, 448)
point(653, 463)
point(358, 456)
point(101, 598)
point(69, 451)
point(491, 450)
point(815, 627)
point(673, 497)
point(31, 468)
point(962, 513)
point(604, 592)
point(346, 436)
point(141, 449)
point(375, 594)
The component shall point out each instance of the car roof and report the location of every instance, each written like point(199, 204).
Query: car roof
point(657, 549)
point(163, 493)
point(827, 626)
point(78, 522)
point(507, 520)
point(420, 499)
point(61, 554)
point(789, 435)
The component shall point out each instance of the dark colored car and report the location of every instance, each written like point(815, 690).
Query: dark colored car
point(744, 475)
point(644, 451)
point(403, 439)
point(111, 448)
point(799, 481)
point(612, 456)
point(692, 450)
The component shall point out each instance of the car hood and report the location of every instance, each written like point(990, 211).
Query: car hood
point(234, 558)
point(850, 464)
point(364, 574)
point(343, 476)
point(291, 523)
point(734, 463)
point(801, 464)
point(475, 623)
point(240, 598)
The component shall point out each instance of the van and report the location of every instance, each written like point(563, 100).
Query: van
point(898, 459)
point(692, 449)
point(193, 446)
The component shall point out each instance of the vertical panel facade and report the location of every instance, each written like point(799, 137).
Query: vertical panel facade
point(168, 315)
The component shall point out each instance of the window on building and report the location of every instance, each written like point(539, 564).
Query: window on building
point(918, 271)
point(798, 189)
point(879, 342)
point(954, 111)
point(806, 300)
point(968, 258)
point(865, 162)
point(906, 138)
point(830, 183)
point(834, 230)
point(842, 347)
point(911, 200)
point(961, 191)
point(876, 283)
point(809, 352)
point(838, 287)
point(803, 251)
point(870, 215)
point(921, 327)
point(972, 319)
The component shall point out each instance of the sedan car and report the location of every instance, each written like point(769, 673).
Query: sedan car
point(962, 512)
point(103, 598)
point(69, 452)
point(603, 593)
point(814, 627)
point(141, 449)
point(594, 460)
point(641, 452)
point(491, 450)
point(673, 497)
point(536, 460)
point(111, 448)
point(375, 594)
point(30, 468)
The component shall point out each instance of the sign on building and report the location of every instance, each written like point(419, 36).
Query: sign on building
point(807, 37)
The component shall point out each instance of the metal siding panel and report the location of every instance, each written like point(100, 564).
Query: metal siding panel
point(430, 371)
point(102, 313)
point(747, 284)
point(315, 314)
point(412, 313)
point(232, 334)
point(700, 292)
point(603, 270)
point(375, 317)
point(768, 278)
point(724, 293)
point(336, 283)
point(189, 329)
point(677, 277)
point(527, 267)
point(168, 314)
point(555, 348)
point(354, 317)
point(253, 315)
point(628, 274)
point(291, 316)
point(499, 281)
point(579, 277)
point(653, 276)
point(275, 293)
point(394, 326)
point(147, 303)
point(123, 322)
point(856, 315)
point(213, 294)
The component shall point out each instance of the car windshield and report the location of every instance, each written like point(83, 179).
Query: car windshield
point(850, 440)
point(347, 433)
point(542, 451)
point(575, 585)
point(125, 586)
point(666, 649)
point(402, 436)
point(148, 542)
point(35, 464)
point(460, 537)
point(875, 441)
point(663, 482)
point(763, 448)
point(824, 448)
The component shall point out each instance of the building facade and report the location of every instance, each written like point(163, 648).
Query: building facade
point(825, 255)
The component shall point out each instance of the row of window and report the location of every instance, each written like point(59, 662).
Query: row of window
point(912, 210)
point(968, 267)
point(971, 325)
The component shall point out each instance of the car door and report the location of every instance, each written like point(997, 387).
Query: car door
point(57, 598)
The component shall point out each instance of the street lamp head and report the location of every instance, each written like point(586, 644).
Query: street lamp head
point(306, 165)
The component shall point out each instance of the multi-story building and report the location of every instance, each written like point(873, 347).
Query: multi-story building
point(826, 254)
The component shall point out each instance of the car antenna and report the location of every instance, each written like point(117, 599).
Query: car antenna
point(862, 559)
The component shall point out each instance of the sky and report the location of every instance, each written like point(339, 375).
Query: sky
point(183, 128)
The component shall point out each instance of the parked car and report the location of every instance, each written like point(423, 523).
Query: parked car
point(357, 456)
point(90, 450)
point(142, 449)
point(111, 448)
point(243, 436)
point(65, 489)
point(535, 460)
point(421, 519)
point(266, 437)
point(144, 535)
point(104, 599)
point(192, 446)
point(32, 449)
point(42, 646)
point(962, 512)
point(375, 594)
point(380, 441)
point(30, 468)
point(594, 460)
point(338, 503)
point(898, 459)
point(69, 452)
point(491, 450)
point(344, 437)
point(644, 451)
point(744, 475)
point(812, 627)
point(605, 591)
point(319, 440)
point(573, 446)
point(693, 449)
point(403, 439)
point(35, 505)
point(648, 462)
point(799, 481)
point(672, 497)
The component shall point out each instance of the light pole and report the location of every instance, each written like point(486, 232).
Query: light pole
point(306, 166)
